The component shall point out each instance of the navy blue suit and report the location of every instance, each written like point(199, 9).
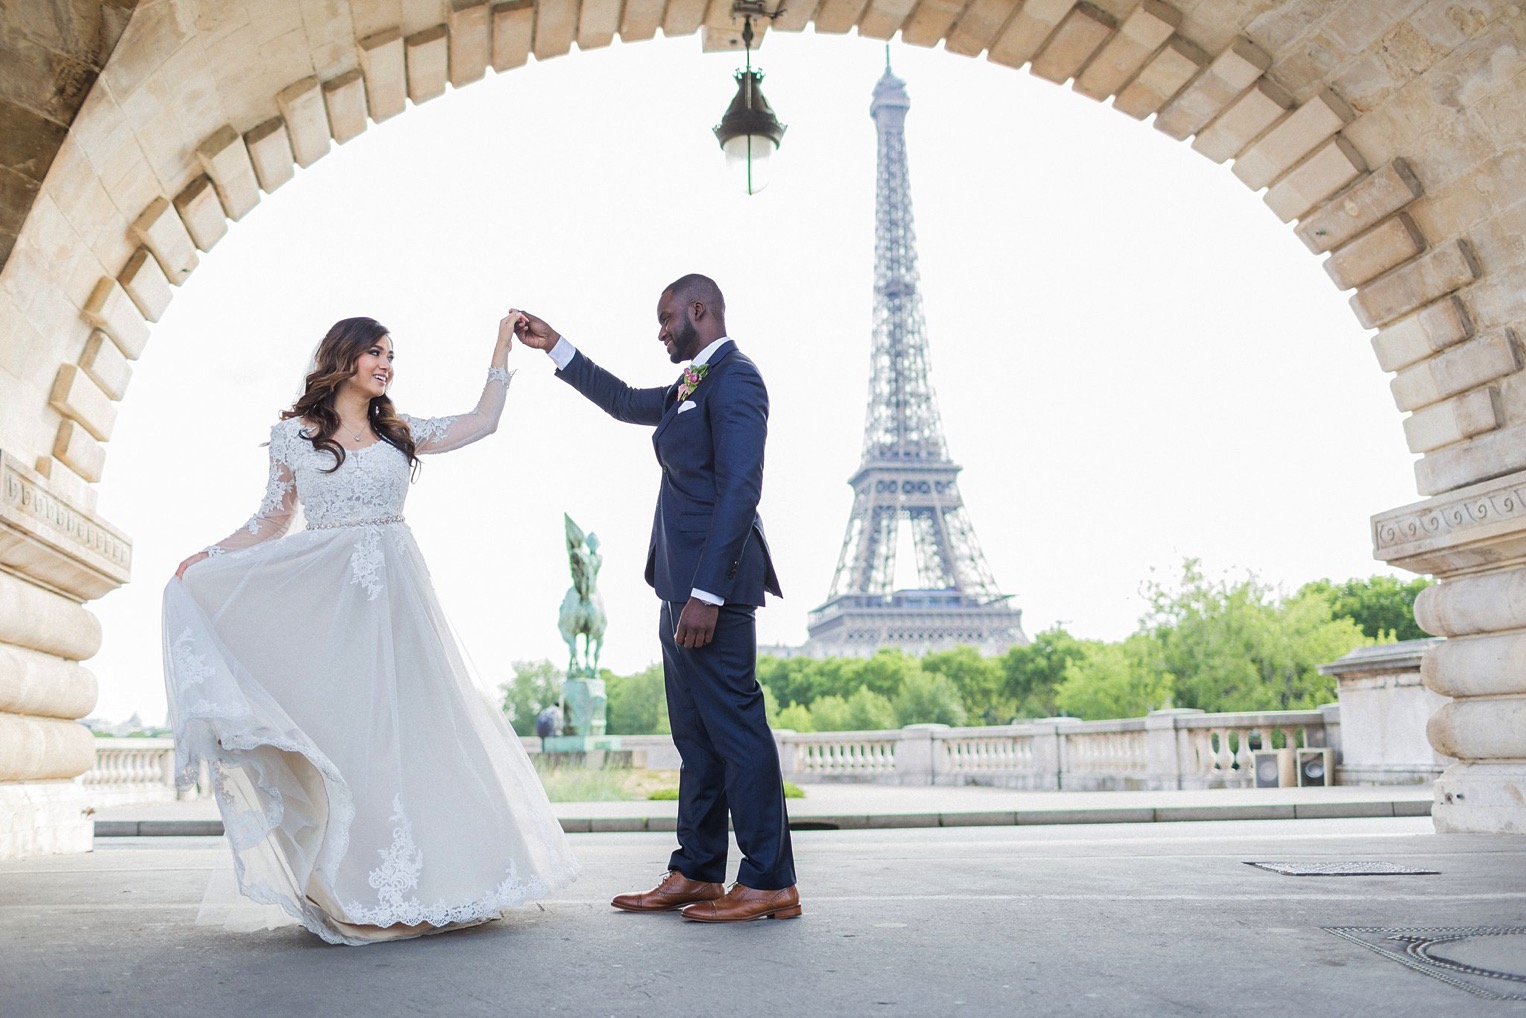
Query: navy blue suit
point(707, 534)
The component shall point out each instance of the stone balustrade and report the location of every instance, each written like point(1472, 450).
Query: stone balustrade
point(1167, 749)
point(132, 771)
point(839, 756)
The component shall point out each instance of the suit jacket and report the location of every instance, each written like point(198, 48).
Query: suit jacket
point(706, 532)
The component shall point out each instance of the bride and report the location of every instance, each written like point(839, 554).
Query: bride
point(367, 787)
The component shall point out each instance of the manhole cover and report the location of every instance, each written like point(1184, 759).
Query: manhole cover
point(1339, 869)
point(1489, 961)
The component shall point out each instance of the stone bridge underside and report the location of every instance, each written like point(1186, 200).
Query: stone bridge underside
point(1391, 137)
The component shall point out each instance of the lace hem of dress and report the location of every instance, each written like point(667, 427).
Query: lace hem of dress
point(403, 861)
point(508, 894)
point(245, 827)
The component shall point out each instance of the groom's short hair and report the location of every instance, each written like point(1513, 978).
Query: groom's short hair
point(695, 287)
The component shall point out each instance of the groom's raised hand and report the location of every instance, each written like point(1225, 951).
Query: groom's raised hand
point(533, 332)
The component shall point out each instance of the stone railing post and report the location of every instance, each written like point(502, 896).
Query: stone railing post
point(1474, 540)
point(1167, 747)
point(1331, 712)
point(1049, 752)
point(787, 755)
point(167, 768)
point(916, 755)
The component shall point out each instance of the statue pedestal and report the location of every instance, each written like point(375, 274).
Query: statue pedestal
point(585, 705)
point(584, 751)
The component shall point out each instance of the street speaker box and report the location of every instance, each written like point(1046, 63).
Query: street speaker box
point(1316, 767)
point(1274, 768)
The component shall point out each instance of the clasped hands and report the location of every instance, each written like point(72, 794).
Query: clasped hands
point(532, 331)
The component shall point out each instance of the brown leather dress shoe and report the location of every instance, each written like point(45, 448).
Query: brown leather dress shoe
point(674, 891)
point(740, 904)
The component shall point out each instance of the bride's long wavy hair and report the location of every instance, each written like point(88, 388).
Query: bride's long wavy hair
point(333, 365)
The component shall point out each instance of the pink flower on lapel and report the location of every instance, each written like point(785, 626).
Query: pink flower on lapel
point(693, 375)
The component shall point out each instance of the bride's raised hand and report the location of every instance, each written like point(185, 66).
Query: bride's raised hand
point(506, 328)
point(188, 563)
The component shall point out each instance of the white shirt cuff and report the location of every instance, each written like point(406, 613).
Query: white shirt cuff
point(706, 596)
point(562, 353)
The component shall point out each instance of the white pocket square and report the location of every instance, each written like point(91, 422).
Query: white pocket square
point(687, 404)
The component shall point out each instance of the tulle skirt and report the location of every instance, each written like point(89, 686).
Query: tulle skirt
point(363, 778)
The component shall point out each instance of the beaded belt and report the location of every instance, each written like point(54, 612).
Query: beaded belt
point(379, 521)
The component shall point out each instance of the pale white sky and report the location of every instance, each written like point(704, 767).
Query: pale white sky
point(1135, 361)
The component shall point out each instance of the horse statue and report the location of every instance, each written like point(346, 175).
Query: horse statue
point(582, 612)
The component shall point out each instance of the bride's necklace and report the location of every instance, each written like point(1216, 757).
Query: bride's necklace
point(357, 436)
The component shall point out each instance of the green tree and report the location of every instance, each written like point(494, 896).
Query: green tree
point(864, 710)
point(536, 685)
point(830, 714)
point(1115, 680)
point(977, 680)
point(792, 680)
point(637, 704)
point(796, 718)
point(928, 698)
point(1383, 607)
point(868, 711)
point(801, 680)
point(1031, 674)
point(1236, 646)
point(770, 707)
point(883, 673)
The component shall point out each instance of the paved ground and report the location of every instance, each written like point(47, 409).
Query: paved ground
point(1101, 919)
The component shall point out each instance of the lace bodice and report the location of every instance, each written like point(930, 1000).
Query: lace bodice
point(371, 484)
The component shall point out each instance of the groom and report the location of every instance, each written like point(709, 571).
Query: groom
point(710, 566)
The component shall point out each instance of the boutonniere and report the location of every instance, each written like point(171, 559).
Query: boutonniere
point(693, 375)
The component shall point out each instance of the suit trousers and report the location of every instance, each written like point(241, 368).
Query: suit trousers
point(730, 762)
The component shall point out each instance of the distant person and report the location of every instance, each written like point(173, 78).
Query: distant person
point(548, 723)
point(710, 566)
point(366, 786)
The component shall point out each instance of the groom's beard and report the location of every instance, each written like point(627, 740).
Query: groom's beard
point(683, 340)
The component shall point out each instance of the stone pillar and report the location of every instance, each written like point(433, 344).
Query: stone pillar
point(1334, 738)
point(916, 756)
point(786, 749)
point(1474, 541)
point(1170, 757)
point(586, 706)
point(53, 557)
point(1049, 752)
point(1379, 727)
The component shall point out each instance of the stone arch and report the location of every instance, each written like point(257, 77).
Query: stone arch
point(1393, 140)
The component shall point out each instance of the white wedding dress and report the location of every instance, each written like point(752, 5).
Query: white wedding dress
point(363, 779)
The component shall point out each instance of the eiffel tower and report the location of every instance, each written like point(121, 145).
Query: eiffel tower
point(906, 477)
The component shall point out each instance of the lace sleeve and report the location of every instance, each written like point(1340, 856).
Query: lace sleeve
point(442, 434)
point(273, 517)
